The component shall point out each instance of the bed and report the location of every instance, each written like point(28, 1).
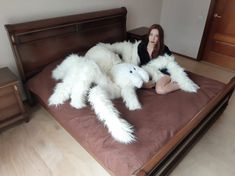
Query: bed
point(165, 128)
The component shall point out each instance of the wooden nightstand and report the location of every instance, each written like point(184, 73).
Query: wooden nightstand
point(11, 105)
point(137, 34)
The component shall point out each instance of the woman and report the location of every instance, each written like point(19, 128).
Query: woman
point(153, 48)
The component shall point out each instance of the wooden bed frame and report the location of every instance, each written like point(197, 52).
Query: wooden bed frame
point(39, 43)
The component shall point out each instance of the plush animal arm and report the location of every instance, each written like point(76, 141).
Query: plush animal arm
point(119, 128)
point(77, 75)
point(177, 72)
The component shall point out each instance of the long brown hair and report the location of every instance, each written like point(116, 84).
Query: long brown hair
point(159, 47)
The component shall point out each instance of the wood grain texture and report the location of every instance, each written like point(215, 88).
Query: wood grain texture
point(220, 43)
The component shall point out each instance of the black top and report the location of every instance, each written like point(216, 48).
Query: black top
point(144, 55)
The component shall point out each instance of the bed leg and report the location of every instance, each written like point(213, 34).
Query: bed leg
point(30, 99)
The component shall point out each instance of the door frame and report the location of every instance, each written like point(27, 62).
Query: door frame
point(207, 28)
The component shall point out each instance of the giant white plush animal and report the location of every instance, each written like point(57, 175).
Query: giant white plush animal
point(129, 53)
point(77, 74)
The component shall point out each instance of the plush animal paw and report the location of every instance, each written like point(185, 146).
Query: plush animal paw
point(77, 104)
point(189, 86)
point(56, 74)
point(121, 131)
point(55, 100)
point(133, 105)
point(60, 95)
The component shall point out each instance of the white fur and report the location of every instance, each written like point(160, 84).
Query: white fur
point(77, 75)
point(119, 128)
point(104, 57)
point(128, 77)
point(127, 50)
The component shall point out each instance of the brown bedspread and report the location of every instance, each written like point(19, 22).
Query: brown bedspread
point(161, 117)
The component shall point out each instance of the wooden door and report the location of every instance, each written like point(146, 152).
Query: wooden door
point(220, 43)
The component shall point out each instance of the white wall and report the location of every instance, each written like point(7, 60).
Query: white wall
point(183, 22)
point(140, 13)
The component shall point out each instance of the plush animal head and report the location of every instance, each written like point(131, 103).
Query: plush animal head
point(128, 75)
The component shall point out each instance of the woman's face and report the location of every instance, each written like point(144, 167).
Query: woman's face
point(153, 36)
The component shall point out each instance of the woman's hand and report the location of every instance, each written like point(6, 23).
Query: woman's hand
point(149, 85)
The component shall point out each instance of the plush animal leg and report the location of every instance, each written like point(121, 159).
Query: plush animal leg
point(78, 94)
point(119, 128)
point(130, 98)
point(61, 94)
point(61, 70)
point(58, 73)
point(178, 75)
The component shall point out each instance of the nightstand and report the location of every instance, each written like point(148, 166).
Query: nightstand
point(11, 105)
point(137, 34)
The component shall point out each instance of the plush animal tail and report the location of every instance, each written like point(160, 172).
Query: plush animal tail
point(119, 128)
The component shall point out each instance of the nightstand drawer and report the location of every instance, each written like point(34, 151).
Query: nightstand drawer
point(6, 90)
point(7, 100)
point(9, 111)
point(11, 105)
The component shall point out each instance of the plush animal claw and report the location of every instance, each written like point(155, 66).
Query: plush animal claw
point(77, 104)
point(133, 105)
point(189, 86)
point(55, 100)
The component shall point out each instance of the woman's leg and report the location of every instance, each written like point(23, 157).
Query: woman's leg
point(165, 85)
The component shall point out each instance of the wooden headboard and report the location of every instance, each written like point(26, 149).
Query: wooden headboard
point(36, 44)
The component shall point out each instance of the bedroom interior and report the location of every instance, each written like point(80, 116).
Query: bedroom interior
point(43, 147)
point(45, 143)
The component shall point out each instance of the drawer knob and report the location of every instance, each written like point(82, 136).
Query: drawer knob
point(16, 88)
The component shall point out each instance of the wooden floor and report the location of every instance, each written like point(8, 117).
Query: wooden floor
point(43, 148)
